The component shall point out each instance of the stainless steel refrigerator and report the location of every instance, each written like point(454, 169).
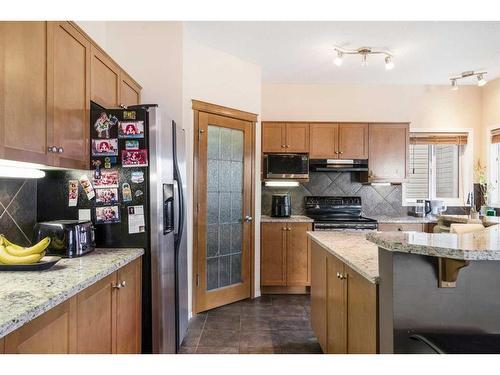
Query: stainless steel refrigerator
point(161, 193)
point(169, 293)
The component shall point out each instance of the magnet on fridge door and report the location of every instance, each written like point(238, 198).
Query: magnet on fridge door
point(126, 192)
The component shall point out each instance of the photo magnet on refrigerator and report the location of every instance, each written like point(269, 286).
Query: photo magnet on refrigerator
point(73, 193)
point(87, 187)
point(126, 192)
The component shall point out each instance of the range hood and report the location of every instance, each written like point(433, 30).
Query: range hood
point(338, 165)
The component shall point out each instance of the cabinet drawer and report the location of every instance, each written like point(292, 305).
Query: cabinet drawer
point(401, 227)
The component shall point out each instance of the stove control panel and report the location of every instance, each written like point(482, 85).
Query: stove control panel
point(329, 202)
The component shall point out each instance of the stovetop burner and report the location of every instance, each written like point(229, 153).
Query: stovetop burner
point(337, 213)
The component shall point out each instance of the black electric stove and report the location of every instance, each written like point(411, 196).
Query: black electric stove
point(337, 213)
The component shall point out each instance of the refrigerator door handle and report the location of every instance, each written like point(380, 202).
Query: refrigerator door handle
point(168, 208)
point(177, 201)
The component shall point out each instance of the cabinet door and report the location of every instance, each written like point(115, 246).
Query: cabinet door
point(388, 152)
point(298, 256)
point(69, 95)
point(324, 141)
point(2, 345)
point(23, 92)
point(128, 309)
point(318, 294)
point(353, 141)
point(297, 137)
point(96, 323)
point(273, 254)
point(336, 310)
point(273, 137)
point(105, 80)
point(51, 333)
point(130, 91)
point(362, 314)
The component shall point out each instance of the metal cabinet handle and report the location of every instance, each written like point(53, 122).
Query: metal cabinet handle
point(248, 218)
point(60, 150)
point(119, 285)
point(283, 146)
point(52, 149)
point(123, 106)
point(287, 146)
point(341, 152)
point(338, 275)
point(283, 228)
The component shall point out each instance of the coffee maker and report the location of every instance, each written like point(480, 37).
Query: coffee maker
point(281, 205)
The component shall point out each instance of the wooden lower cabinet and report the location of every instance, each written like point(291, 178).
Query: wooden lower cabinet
point(129, 309)
point(344, 312)
point(318, 296)
point(52, 333)
point(285, 255)
point(2, 346)
point(104, 318)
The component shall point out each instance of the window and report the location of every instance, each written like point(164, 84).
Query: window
point(437, 168)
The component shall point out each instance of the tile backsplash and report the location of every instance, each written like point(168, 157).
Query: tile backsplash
point(18, 209)
point(376, 200)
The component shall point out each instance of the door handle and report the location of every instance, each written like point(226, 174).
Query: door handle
point(248, 218)
point(168, 209)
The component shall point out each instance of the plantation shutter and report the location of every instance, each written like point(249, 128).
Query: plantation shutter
point(417, 186)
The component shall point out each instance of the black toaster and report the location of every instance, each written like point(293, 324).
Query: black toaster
point(68, 238)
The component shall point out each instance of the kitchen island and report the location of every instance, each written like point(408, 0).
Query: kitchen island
point(433, 283)
point(74, 293)
point(344, 291)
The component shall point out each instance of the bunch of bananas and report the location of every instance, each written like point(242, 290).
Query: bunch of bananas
point(11, 253)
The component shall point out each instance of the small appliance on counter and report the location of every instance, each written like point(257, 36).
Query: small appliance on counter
point(422, 208)
point(68, 238)
point(281, 205)
point(437, 207)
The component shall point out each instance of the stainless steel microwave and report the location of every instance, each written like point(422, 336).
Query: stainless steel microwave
point(286, 166)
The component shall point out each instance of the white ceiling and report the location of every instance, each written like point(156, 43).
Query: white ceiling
point(301, 52)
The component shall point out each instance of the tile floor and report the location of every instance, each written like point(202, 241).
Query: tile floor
point(266, 325)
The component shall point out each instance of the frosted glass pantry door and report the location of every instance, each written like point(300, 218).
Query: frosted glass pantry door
point(224, 221)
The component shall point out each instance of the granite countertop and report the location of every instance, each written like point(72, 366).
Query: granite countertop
point(403, 219)
point(480, 245)
point(27, 295)
point(291, 219)
point(351, 248)
point(464, 219)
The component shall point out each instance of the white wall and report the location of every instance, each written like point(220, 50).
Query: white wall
point(96, 30)
point(425, 107)
point(219, 78)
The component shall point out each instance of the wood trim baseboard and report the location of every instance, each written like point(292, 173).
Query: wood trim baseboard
point(215, 109)
point(285, 289)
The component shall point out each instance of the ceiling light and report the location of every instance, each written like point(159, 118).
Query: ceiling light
point(338, 60)
point(469, 73)
point(480, 80)
point(389, 64)
point(364, 52)
point(16, 172)
point(282, 183)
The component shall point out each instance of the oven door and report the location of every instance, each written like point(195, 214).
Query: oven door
point(287, 166)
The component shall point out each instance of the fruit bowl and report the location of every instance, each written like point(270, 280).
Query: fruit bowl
point(43, 264)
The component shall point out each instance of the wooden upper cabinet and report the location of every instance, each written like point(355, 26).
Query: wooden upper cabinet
point(95, 323)
point(23, 92)
point(130, 91)
point(69, 95)
point(273, 137)
point(105, 80)
point(323, 142)
point(51, 333)
point(298, 256)
point(353, 141)
point(128, 309)
point(297, 137)
point(273, 254)
point(388, 152)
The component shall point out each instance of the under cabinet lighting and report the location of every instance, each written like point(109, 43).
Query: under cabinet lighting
point(282, 183)
point(380, 184)
point(17, 169)
point(13, 172)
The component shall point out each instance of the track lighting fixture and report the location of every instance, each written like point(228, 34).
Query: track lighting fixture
point(364, 52)
point(471, 73)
